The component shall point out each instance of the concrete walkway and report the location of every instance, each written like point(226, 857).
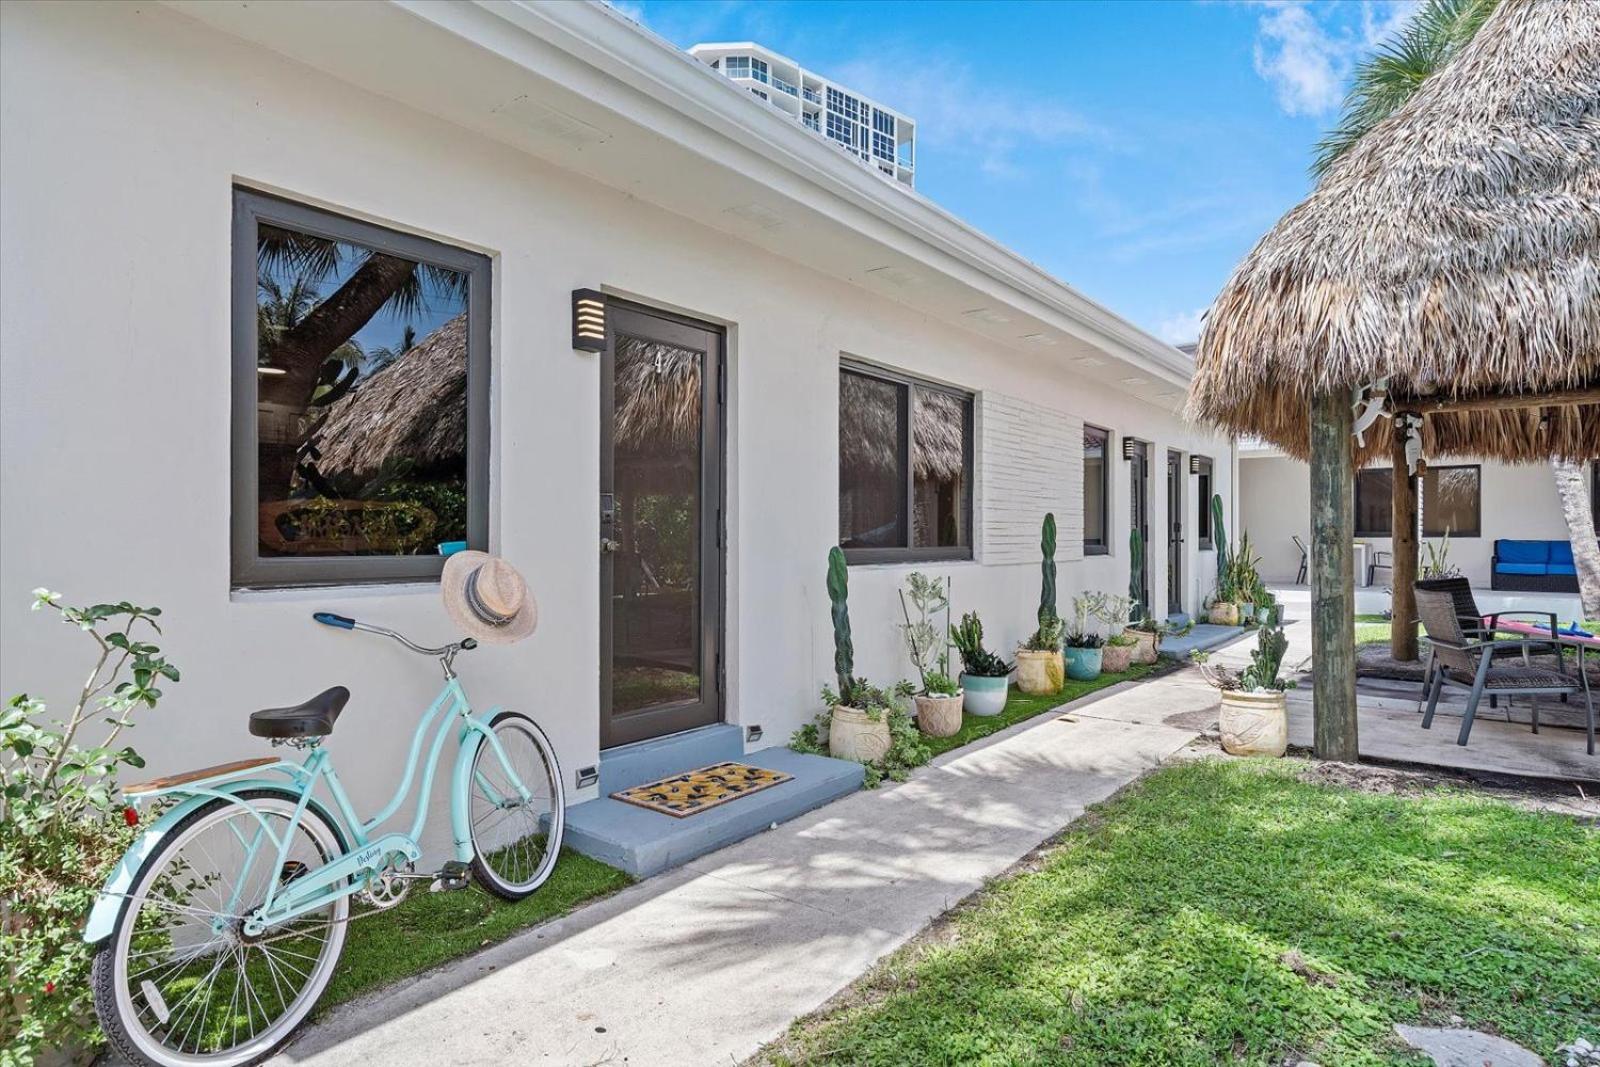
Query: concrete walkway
point(704, 964)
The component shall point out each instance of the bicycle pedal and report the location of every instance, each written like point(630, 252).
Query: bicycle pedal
point(451, 877)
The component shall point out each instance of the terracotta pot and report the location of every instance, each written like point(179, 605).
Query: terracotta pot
point(939, 716)
point(1223, 613)
point(1114, 659)
point(854, 736)
point(1254, 724)
point(1145, 644)
point(1039, 672)
point(984, 695)
point(1083, 664)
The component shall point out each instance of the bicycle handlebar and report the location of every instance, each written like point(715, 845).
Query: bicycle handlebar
point(328, 618)
point(344, 622)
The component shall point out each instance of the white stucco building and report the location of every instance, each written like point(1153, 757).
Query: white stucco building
point(166, 164)
point(879, 136)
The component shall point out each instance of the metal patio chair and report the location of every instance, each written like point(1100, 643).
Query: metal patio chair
point(1464, 663)
point(1472, 620)
point(1305, 559)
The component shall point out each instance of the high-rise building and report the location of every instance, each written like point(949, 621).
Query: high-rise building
point(878, 136)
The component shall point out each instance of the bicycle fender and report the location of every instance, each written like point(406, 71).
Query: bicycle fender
point(108, 904)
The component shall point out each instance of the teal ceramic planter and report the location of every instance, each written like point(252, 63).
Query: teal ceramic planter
point(1083, 663)
point(984, 696)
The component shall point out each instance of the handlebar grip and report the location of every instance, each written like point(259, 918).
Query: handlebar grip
point(328, 618)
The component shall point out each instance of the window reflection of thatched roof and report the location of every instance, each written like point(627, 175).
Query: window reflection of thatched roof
point(869, 416)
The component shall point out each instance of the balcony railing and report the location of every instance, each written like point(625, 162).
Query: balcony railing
point(812, 95)
point(784, 87)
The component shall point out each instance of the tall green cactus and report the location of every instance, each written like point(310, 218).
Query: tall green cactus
point(1219, 537)
point(844, 652)
point(1135, 568)
point(1047, 588)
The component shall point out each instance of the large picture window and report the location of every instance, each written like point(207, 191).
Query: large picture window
point(360, 398)
point(1096, 491)
point(905, 468)
point(1374, 502)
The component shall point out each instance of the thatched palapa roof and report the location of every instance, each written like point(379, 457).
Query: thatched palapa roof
point(1454, 250)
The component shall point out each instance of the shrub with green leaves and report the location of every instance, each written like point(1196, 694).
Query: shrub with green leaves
point(62, 827)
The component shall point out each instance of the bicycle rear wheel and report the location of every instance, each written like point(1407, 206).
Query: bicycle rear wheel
point(178, 982)
point(515, 841)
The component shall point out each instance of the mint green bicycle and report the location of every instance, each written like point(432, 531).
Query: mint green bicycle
point(223, 923)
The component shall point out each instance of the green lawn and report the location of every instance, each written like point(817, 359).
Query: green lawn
point(1374, 629)
point(1227, 912)
point(1019, 706)
point(428, 929)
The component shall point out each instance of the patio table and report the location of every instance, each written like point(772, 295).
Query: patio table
point(1581, 640)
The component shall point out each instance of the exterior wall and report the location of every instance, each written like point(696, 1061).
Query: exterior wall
point(125, 129)
point(1275, 503)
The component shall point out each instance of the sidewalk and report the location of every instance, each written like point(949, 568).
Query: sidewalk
point(706, 963)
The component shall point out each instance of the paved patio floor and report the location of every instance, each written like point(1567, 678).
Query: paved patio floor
point(704, 964)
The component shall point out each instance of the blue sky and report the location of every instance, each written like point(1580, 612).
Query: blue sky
point(1134, 149)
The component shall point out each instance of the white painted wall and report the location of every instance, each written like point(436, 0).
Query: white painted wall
point(125, 128)
point(1275, 503)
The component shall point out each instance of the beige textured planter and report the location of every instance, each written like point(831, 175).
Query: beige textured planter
point(1254, 724)
point(1223, 614)
point(1116, 658)
point(1039, 672)
point(853, 736)
point(939, 716)
point(1144, 645)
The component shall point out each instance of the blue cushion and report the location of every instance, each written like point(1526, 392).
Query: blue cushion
point(1522, 552)
point(1561, 552)
point(1561, 568)
point(1522, 568)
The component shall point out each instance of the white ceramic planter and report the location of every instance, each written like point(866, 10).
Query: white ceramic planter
point(855, 736)
point(1254, 724)
point(1039, 672)
point(982, 695)
point(939, 716)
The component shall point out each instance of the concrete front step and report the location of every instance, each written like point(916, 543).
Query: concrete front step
point(644, 842)
point(1202, 637)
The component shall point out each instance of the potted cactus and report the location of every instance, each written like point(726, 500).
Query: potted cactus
point(1039, 662)
point(938, 702)
point(1254, 718)
point(1084, 645)
point(859, 726)
point(984, 675)
point(1224, 609)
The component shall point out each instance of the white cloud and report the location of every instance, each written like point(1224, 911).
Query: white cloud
point(1306, 52)
point(955, 109)
point(1181, 328)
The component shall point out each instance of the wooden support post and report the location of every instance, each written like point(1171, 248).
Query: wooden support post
point(1333, 600)
point(1403, 529)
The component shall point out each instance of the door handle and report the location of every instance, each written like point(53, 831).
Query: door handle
point(607, 545)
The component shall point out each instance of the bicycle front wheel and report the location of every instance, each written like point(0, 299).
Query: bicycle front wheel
point(178, 982)
point(516, 833)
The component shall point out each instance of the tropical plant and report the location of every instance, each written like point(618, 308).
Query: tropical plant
point(1047, 638)
point(922, 639)
point(940, 684)
point(907, 747)
point(1262, 675)
point(1436, 559)
point(1243, 575)
point(844, 651)
point(62, 827)
point(1112, 612)
point(975, 659)
point(1085, 607)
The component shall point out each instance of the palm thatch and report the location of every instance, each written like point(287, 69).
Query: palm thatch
point(1454, 250)
point(868, 430)
point(414, 409)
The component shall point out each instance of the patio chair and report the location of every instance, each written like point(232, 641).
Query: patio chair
point(1464, 663)
point(1305, 559)
point(1473, 625)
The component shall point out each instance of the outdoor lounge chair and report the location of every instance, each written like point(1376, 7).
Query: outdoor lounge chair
point(1464, 663)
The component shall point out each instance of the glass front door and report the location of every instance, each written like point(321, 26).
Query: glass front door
point(660, 527)
point(1174, 532)
point(1138, 453)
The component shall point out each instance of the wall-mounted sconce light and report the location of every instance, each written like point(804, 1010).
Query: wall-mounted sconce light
point(1194, 464)
point(1130, 447)
point(588, 320)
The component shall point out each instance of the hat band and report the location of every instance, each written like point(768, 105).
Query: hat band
point(479, 608)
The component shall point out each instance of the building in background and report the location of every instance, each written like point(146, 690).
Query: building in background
point(878, 136)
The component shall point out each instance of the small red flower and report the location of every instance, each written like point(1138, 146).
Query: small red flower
point(130, 815)
point(49, 987)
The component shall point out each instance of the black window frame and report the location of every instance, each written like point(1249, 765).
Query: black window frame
point(1101, 547)
point(1204, 467)
point(1388, 510)
point(250, 570)
point(1477, 510)
point(911, 553)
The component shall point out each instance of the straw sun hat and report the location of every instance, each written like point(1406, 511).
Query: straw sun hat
point(487, 598)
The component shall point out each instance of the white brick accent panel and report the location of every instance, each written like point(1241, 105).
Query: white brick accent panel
point(1030, 461)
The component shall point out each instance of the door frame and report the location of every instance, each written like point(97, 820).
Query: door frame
point(1176, 478)
point(663, 720)
point(1138, 455)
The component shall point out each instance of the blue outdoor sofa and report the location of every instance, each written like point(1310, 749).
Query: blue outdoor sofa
point(1534, 567)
